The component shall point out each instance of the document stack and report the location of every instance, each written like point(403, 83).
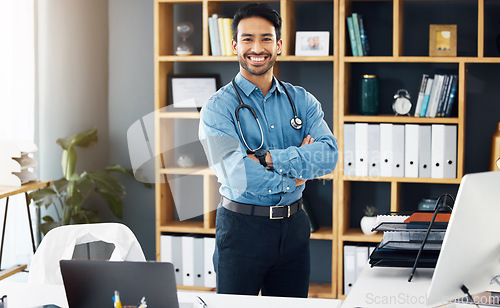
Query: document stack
point(404, 236)
point(16, 162)
point(191, 257)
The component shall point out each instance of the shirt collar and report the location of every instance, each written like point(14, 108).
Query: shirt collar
point(247, 87)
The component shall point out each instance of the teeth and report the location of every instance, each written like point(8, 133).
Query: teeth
point(257, 59)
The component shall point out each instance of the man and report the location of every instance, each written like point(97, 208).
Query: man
point(262, 162)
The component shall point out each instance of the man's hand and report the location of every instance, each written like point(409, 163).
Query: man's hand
point(307, 140)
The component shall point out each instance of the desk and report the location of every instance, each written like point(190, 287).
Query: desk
point(28, 295)
point(6, 192)
point(389, 287)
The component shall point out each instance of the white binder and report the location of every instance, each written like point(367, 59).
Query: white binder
point(444, 151)
point(361, 149)
point(424, 151)
point(398, 150)
point(209, 248)
point(171, 251)
point(374, 150)
point(349, 267)
point(166, 248)
point(386, 155)
point(187, 261)
point(411, 150)
point(361, 259)
point(198, 262)
point(349, 150)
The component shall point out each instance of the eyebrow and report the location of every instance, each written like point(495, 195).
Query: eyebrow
point(251, 35)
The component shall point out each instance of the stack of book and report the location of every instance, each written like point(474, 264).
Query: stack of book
point(403, 238)
point(220, 35)
point(357, 36)
point(16, 162)
point(436, 96)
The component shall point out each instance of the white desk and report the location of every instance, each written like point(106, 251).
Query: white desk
point(389, 287)
point(25, 295)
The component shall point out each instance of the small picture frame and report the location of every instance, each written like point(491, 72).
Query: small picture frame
point(443, 40)
point(191, 91)
point(312, 43)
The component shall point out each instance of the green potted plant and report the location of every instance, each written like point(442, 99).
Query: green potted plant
point(71, 195)
point(369, 220)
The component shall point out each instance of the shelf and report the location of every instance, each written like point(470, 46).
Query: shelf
point(188, 171)
point(179, 115)
point(398, 180)
point(201, 58)
point(185, 227)
point(193, 288)
point(320, 290)
point(390, 59)
point(399, 119)
point(323, 233)
point(356, 235)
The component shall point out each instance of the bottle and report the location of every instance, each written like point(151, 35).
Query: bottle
point(495, 149)
point(369, 95)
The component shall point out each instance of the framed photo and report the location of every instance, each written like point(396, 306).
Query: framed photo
point(188, 91)
point(443, 40)
point(312, 43)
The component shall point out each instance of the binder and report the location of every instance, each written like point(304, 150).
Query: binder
point(349, 149)
point(374, 150)
point(398, 150)
point(411, 150)
point(187, 261)
point(349, 267)
point(166, 248)
point(198, 262)
point(424, 151)
point(361, 259)
point(209, 248)
point(171, 251)
point(361, 149)
point(444, 151)
point(386, 155)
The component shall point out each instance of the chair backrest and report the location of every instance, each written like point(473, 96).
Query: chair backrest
point(59, 244)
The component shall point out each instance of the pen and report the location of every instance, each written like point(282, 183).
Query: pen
point(201, 302)
point(118, 303)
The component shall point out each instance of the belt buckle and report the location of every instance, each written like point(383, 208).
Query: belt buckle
point(271, 211)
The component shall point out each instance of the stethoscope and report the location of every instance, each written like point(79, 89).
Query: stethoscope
point(295, 122)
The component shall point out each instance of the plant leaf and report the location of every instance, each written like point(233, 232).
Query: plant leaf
point(61, 185)
point(107, 182)
point(47, 218)
point(119, 168)
point(43, 196)
point(68, 163)
point(115, 204)
point(47, 226)
point(83, 139)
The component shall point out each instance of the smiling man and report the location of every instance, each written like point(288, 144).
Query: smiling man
point(264, 139)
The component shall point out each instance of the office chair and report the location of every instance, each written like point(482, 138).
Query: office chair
point(60, 243)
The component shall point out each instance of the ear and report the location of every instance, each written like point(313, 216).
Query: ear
point(234, 47)
point(279, 46)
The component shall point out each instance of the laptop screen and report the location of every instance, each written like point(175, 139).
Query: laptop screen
point(92, 283)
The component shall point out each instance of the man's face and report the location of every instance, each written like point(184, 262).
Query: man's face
point(256, 45)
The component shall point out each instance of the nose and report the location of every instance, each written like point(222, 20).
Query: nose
point(257, 47)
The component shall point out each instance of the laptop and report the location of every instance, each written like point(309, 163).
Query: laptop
point(92, 283)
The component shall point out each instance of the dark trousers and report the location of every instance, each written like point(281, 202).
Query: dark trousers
point(254, 253)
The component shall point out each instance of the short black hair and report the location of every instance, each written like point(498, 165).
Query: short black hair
point(262, 10)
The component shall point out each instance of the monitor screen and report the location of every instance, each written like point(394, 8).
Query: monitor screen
point(470, 254)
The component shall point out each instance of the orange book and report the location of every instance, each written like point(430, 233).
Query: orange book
point(427, 217)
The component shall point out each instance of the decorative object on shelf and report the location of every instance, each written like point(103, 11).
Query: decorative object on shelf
point(443, 40)
point(17, 162)
point(185, 161)
point(495, 150)
point(369, 220)
point(402, 103)
point(72, 194)
point(191, 91)
point(369, 102)
point(184, 30)
point(427, 204)
point(310, 43)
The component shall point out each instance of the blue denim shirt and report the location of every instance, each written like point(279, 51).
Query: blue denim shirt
point(246, 181)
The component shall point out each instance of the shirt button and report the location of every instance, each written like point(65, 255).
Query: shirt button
point(269, 191)
point(256, 88)
point(272, 126)
point(281, 170)
point(301, 176)
point(288, 188)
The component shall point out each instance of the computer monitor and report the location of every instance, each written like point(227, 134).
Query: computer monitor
point(470, 254)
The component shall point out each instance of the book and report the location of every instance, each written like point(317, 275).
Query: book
point(435, 93)
point(427, 94)
point(228, 36)
point(452, 97)
point(357, 36)
point(352, 37)
point(421, 94)
point(364, 38)
point(214, 35)
point(445, 93)
point(222, 36)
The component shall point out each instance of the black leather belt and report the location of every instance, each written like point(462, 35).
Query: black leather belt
point(273, 212)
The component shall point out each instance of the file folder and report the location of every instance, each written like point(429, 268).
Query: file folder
point(444, 151)
point(386, 155)
point(187, 261)
point(198, 262)
point(171, 251)
point(349, 268)
point(349, 149)
point(411, 150)
point(374, 150)
point(361, 149)
point(209, 248)
point(398, 150)
point(424, 151)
